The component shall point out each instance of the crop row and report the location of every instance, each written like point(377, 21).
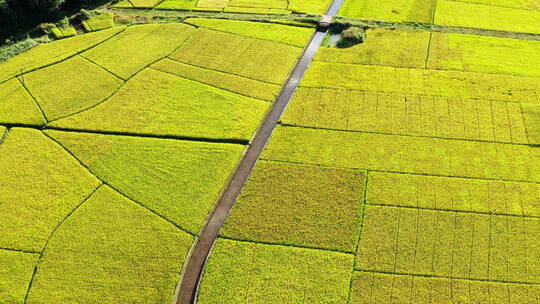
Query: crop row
point(459, 194)
point(380, 152)
point(390, 288)
point(423, 82)
point(450, 244)
point(433, 116)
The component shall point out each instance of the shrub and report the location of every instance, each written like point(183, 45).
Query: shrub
point(351, 36)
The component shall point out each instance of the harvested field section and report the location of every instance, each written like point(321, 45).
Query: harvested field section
point(111, 250)
point(139, 46)
point(299, 205)
point(392, 10)
point(17, 106)
point(229, 82)
point(293, 35)
point(16, 269)
point(450, 244)
point(53, 52)
point(242, 272)
point(379, 48)
point(70, 86)
point(370, 287)
point(41, 182)
point(484, 54)
point(450, 193)
point(141, 168)
point(423, 82)
point(418, 115)
point(452, 13)
point(405, 154)
point(157, 103)
point(244, 56)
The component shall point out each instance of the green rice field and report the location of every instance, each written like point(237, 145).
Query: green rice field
point(405, 167)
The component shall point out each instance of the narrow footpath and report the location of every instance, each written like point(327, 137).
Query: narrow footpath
point(187, 290)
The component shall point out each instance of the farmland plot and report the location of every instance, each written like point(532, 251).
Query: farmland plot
point(394, 10)
point(245, 6)
point(117, 152)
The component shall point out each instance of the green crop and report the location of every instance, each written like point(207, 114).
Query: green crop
point(299, 205)
point(241, 272)
point(424, 242)
point(142, 168)
point(405, 154)
point(52, 52)
point(282, 4)
point(70, 86)
point(451, 193)
point(531, 115)
point(484, 54)
point(391, 10)
point(111, 250)
point(178, 4)
point(157, 103)
point(493, 17)
point(293, 35)
point(370, 287)
point(229, 82)
point(138, 47)
point(16, 269)
point(423, 82)
point(245, 56)
point(99, 22)
point(405, 114)
point(17, 106)
point(523, 4)
point(42, 184)
point(309, 6)
point(379, 48)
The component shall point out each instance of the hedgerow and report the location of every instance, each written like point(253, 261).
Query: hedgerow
point(240, 272)
point(294, 35)
point(52, 52)
point(423, 82)
point(142, 169)
point(368, 287)
point(299, 205)
point(139, 46)
point(412, 241)
point(393, 10)
point(245, 56)
point(433, 116)
point(405, 154)
point(229, 82)
point(484, 54)
point(379, 48)
point(16, 269)
point(42, 184)
point(17, 106)
point(493, 17)
point(70, 86)
point(157, 103)
point(112, 250)
point(451, 193)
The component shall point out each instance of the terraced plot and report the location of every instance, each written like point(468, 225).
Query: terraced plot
point(117, 152)
point(237, 6)
point(394, 10)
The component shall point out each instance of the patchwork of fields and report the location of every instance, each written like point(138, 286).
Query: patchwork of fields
point(233, 6)
point(115, 146)
point(397, 175)
point(503, 15)
point(405, 169)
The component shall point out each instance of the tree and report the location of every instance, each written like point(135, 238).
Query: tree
point(49, 5)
